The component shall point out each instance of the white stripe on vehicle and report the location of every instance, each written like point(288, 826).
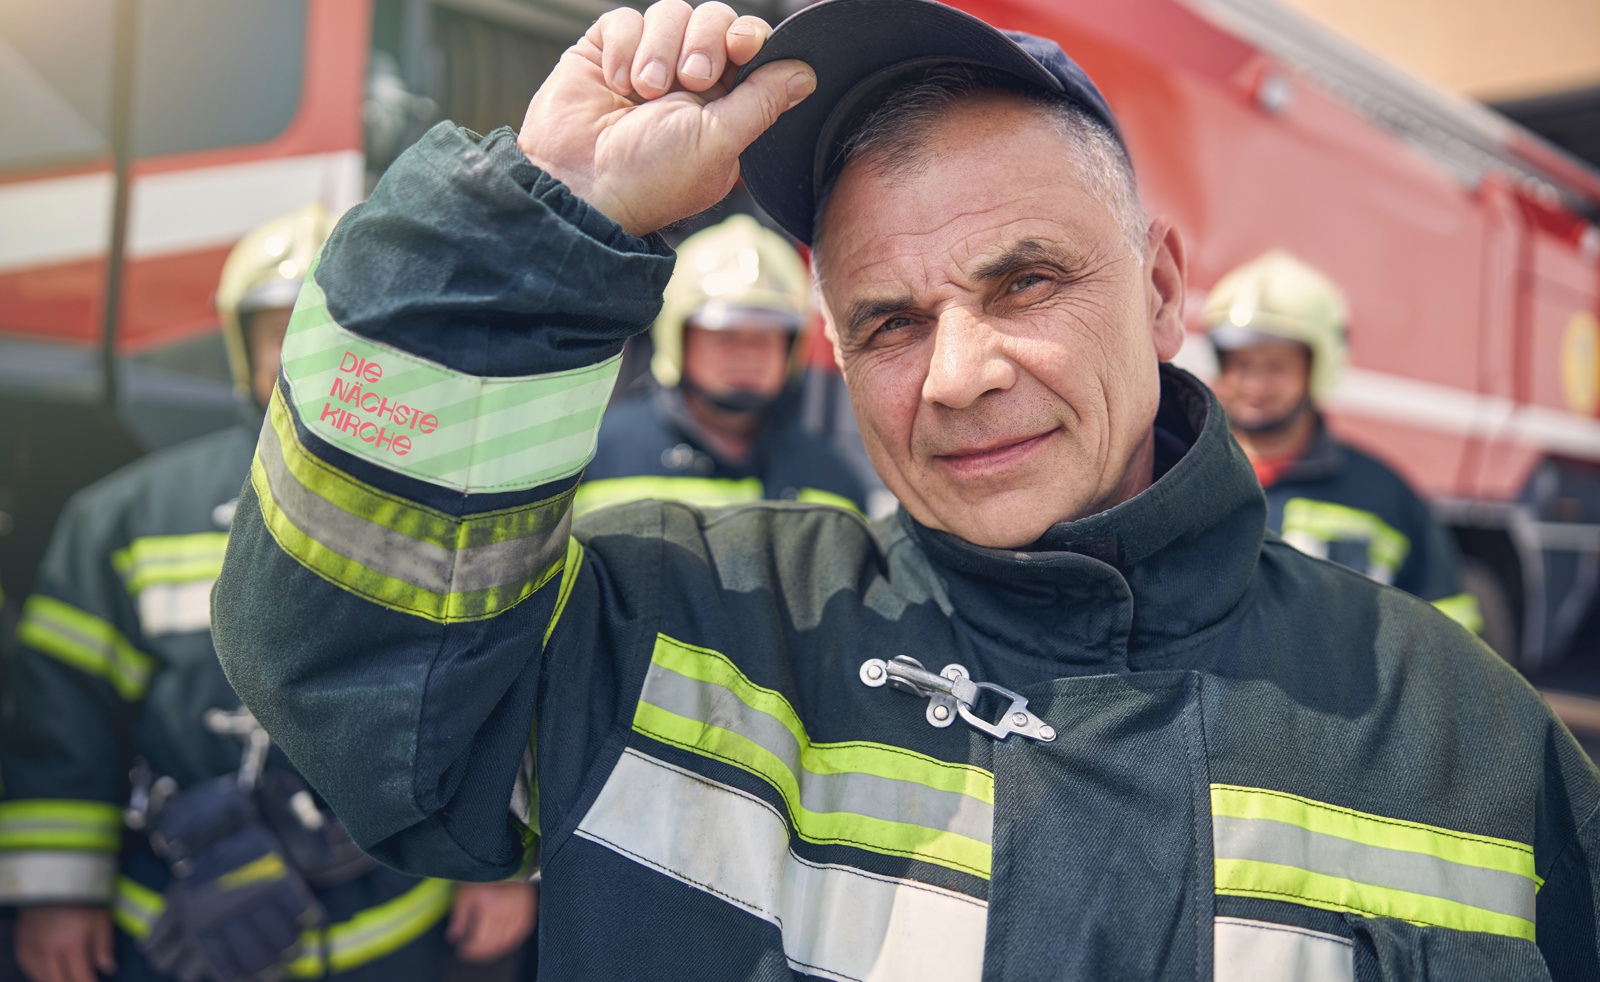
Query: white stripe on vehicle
point(54, 221)
point(212, 207)
point(1430, 405)
point(837, 922)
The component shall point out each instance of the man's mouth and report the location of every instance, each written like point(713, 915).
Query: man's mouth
point(993, 458)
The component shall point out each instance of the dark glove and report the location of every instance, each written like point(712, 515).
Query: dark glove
point(313, 840)
point(235, 907)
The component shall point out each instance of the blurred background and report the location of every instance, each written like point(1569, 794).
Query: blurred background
point(1440, 159)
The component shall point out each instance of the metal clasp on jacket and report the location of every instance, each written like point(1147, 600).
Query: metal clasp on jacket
point(953, 693)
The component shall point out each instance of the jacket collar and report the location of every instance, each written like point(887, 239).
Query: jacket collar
point(1127, 587)
point(1322, 457)
point(681, 424)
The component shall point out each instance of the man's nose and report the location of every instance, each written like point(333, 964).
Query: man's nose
point(968, 360)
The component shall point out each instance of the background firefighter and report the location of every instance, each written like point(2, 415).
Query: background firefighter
point(722, 426)
point(1279, 329)
point(116, 674)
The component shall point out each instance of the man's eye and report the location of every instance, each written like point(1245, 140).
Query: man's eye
point(895, 323)
point(1025, 282)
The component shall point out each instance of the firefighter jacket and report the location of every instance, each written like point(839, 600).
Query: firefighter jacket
point(1341, 504)
point(1240, 761)
point(115, 663)
point(651, 446)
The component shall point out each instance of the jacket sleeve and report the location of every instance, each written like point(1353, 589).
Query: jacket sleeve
point(1569, 899)
point(78, 679)
point(401, 552)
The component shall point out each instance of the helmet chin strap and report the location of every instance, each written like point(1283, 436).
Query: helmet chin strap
point(741, 401)
point(1272, 427)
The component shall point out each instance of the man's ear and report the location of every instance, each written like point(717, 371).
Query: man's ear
point(1166, 266)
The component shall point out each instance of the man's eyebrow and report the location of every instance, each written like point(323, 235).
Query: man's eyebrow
point(863, 312)
point(1028, 252)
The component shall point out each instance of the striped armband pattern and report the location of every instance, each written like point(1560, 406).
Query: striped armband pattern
point(419, 418)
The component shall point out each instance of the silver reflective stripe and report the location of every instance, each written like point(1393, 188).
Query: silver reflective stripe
point(837, 922)
point(1261, 951)
point(1267, 841)
point(860, 794)
point(425, 565)
point(47, 875)
point(175, 608)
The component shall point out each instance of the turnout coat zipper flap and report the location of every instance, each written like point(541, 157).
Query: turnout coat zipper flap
point(1264, 766)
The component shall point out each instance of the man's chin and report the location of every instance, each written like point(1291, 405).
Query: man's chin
point(1013, 527)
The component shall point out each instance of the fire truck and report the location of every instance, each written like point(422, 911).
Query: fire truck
point(139, 138)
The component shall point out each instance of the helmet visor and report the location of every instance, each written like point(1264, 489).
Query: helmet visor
point(719, 315)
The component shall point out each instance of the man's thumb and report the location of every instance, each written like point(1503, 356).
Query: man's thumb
point(758, 101)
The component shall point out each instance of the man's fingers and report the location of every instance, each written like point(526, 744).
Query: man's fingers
point(747, 111)
point(746, 37)
point(617, 35)
point(73, 966)
point(462, 916)
point(104, 950)
point(655, 64)
point(705, 46)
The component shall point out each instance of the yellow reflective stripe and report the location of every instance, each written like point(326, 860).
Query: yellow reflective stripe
point(384, 929)
point(49, 823)
point(569, 576)
point(858, 756)
point(1463, 609)
point(268, 867)
point(1505, 855)
point(372, 934)
point(899, 782)
point(85, 642)
point(816, 496)
point(1325, 521)
point(1279, 846)
point(1270, 881)
point(397, 553)
point(136, 908)
point(170, 559)
point(706, 492)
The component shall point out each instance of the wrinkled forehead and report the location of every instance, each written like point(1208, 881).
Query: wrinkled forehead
point(992, 175)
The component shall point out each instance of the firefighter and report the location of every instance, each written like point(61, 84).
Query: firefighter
point(1069, 714)
point(722, 426)
point(116, 676)
point(1278, 326)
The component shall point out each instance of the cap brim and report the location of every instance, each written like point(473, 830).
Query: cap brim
point(848, 43)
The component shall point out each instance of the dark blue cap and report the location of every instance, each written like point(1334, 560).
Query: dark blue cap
point(860, 49)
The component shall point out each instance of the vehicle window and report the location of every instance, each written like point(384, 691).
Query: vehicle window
point(55, 71)
point(215, 73)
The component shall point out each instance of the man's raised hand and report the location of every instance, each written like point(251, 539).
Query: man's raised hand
point(638, 118)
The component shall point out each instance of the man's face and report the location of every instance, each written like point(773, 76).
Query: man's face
point(1264, 383)
point(998, 335)
point(263, 339)
point(736, 359)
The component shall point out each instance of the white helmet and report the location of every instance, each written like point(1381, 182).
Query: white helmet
point(1277, 296)
point(737, 273)
point(263, 272)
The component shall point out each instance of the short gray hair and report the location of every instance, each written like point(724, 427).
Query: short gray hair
point(894, 138)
